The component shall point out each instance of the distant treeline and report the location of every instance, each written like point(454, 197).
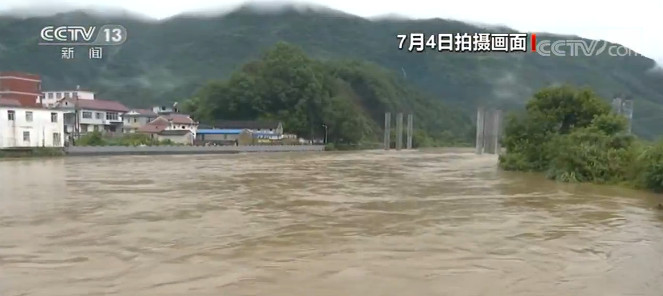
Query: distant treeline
point(349, 97)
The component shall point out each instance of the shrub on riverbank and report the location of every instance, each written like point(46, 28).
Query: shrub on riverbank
point(33, 152)
point(97, 139)
point(573, 136)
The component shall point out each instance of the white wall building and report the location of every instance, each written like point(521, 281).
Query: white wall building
point(136, 118)
point(93, 115)
point(180, 122)
point(50, 98)
point(180, 126)
point(30, 126)
point(172, 122)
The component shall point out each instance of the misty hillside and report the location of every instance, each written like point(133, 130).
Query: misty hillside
point(168, 60)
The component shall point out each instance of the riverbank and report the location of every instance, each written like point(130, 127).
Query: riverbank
point(161, 150)
point(150, 150)
point(31, 152)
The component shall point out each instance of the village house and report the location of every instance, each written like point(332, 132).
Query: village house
point(29, 126)
point(136, 118)
point(221, 136)
point(163, 110)
point(23, 121)
point(176, 127)
point(51, 98)
point(22, 87)
point(239, 133)
point(260, 127)
point(93, 115)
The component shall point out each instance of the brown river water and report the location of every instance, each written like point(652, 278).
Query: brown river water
point(439, 222)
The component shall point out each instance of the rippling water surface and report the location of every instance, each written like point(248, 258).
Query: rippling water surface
point(360, 223)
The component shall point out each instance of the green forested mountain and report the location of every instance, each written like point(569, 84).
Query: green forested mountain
point(171, 59)
point(349, 98)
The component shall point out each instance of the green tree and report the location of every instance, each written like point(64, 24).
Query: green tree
point(551, 112)
point(564, 108)
point(91, 139)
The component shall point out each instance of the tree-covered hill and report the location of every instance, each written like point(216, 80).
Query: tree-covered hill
point(170, 59)
point(348, 97)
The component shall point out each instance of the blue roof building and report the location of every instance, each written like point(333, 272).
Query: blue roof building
point(219, 131)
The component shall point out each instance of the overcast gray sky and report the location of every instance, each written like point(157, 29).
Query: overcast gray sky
point(632, 23)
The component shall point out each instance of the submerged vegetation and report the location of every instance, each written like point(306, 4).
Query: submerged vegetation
point(348, 97)
point(97, 139)
point(32, 152)
point(573, 136)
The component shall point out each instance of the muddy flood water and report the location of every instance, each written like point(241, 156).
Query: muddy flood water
point(440, 222)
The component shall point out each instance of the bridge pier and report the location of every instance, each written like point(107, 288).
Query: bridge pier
point(399, 131)
point(387, 131)
point(409, 131)
point(479, 140)
point(489, 127)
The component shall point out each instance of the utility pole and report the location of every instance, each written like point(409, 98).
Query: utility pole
point(77, 123)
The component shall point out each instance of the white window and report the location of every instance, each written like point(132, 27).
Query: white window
point(50, 95)
point(98, 115)
point(26, 136)
point(58, 95)
point(111, 116)
point(87, 114)
point(28, 116)
point(54, 117)
point(56, 139)
point(11, 114)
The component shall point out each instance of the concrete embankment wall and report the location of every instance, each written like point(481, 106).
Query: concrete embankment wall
point(151, 150)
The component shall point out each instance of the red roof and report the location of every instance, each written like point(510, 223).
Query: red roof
point(145, 112)
point(23, 100)
point(21, 74)
point(159, 121)
point(152, 128)
point(9, 103)
point(101, 105)
point(179, 118)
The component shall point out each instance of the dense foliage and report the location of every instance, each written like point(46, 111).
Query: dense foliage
point(573, 136)
point(97, 139)
point(166, 61)
point(350, 98)
point(32, 152)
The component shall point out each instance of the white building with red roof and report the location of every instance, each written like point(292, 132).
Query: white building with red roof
point(51, 98)
point(136, 118)
point(177, 127)
point(22, 87)
point(88, 115)
point(24, 124)
point(23, 121)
